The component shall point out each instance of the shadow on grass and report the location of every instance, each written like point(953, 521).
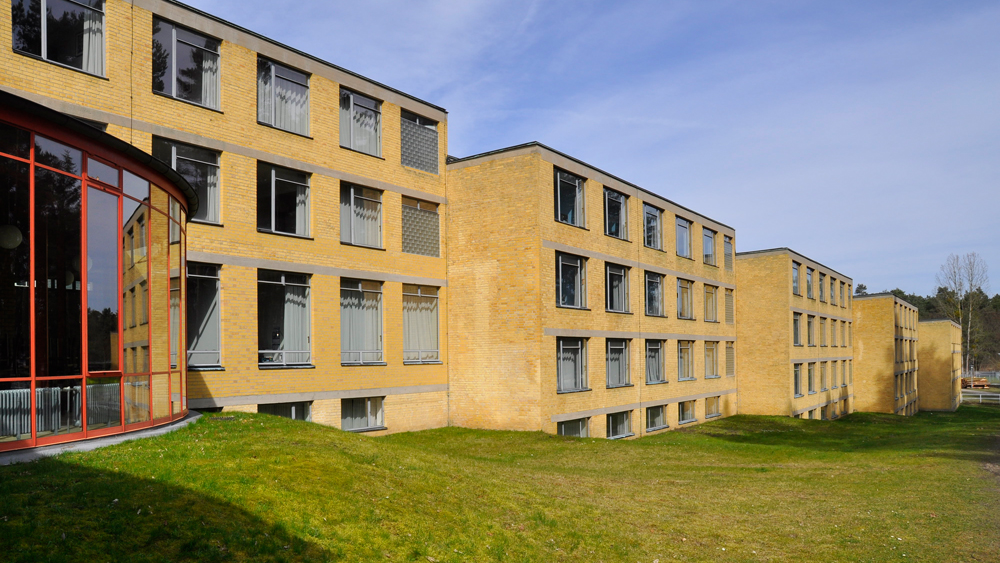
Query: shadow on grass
point(52, 510)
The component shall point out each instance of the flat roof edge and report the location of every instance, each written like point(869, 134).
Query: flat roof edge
point(884, 294)
point(785, 249)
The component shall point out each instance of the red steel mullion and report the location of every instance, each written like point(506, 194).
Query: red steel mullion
point(170, 333)
point(121, 305)
point(149, 300)
point(32, 284)
point(84, 298)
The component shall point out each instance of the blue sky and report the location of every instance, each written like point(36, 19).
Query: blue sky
point(865, 135)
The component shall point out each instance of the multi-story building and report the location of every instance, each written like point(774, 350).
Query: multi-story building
point(940, 357)
point(795, 336)
point(885, 345)
point(316, 274)
point(581, 303)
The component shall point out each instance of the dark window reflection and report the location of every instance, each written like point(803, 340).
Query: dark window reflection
point(26, 17)
point(102, 281)
point(136, 399)
point(15, 258)
point(57, 155)
point(14, 141)
point(104, 406)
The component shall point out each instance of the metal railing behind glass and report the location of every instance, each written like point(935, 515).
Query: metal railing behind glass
point(283, 357)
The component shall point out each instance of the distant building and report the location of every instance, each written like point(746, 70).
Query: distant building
point(940, 356)
point(885, 352)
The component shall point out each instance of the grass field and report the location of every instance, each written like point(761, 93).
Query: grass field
point(254, 487)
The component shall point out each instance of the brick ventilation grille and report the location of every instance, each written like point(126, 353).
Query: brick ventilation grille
point(731, 360)
point(420, 147)
point(421, 232)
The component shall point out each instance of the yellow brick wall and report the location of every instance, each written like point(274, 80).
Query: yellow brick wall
point(879, 322)
point(940, 357)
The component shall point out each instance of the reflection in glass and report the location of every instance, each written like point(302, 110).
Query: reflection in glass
point(57, 155)
point(161, 405)
point(15, 262)
point(26, 16)
point(136, 187)
point(58, 407)
point(14, 141)
point(104, 406)
point(102, 281)
point(136, 399)
point(15, 411)
point(74, 34)
point(97, 170)
point(159, 285)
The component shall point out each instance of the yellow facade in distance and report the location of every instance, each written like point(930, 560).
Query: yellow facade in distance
point(806, 376)
point(885, 347)
point(940, 355)
point(506, 325)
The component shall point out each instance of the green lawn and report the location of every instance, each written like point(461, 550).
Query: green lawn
point(254, 487)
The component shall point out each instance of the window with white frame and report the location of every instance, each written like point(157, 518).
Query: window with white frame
point(360, 215)
point(620, 424)
point(185, 64)
point(282, 200)
point(571, 365)
point(571, 280)
point(822, 376)
point(833, 289)
point(730, 307)
point(833, 332)
point(795, 278)
point(200, 167)
point(68, 32)
point(810, 332)
point(617, 288)
point(418, 142)
point(730, 359)
point(811, 372)
point(843, 373)
point(654, 294)
point(685, 288)
point(833, 374)
point(822, 331)
point(204, 319)
point(283, 324)
point(361, 414)
point(615, 214)
point(797, 379)
point(420, 324)
point(282, 97)
point(711, 305)
point(576, 428)
point(569, 198)
point(713, 406)
point(683, 231)
point(654, 362)
point(797, 329)
point(685, 365)
point(842, 304)
point(708, 246)
point(421, 227)
point(655, 418)
point(809, 283)
point(711, 360)
point(822, 286)
point(727, 250)
point(360, 123)
point(843, 334)
point(685, 412)
point(360, 322)
point(617, 362)
point(652, 221)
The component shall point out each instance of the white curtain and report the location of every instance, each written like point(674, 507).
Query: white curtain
point(345, 119)
point(291, 109)
point(367, 222)
point(203, 296)
point(302, 210)
point(264, 92)
point(296, 325)
point(93, 42)
point(211, 202)
point(616, 365)
point(361, 325)
point(653, 364)
point(420, 328)
point(345, 213)
point(365, 128)
point(210, 79)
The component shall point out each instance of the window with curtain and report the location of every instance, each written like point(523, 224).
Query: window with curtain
point(420, 324)
point(571, 281)
point(615, 214)
point(833, 289)
point(421, 227)
point(708, 246)
point(797, 379)
point(282, 200)
point(654, 362)
point(685, 411)
point(685, 366)
point(617, 362)
point(713, 406)
point(571, 364)
point(655, 418)
point(620, 424)
point(617, 288)
point(833, 332)
point(822, 286)
point(683, 229)
point(204, 320)
point(362, 414)
point(185, 64)
point(822, 331)
point(797, 329)
point(360, 322)
point(727, 250)
point(653, 234)
point(795, 278)
point(684, 306)
point(711, 359)
point(822, 376)
point(842, 304)
point(711, 305)
point(809, 283)
point(360, 123)
point(654, 294)
point(569, 198)
point(360, 215)
point(200, 167)
point(282, 97)
point(283, 323)
point(67, 32)
point(810, 332)
point(730, 359)
point(576, 428)
point(833, 375)
point(811, 377)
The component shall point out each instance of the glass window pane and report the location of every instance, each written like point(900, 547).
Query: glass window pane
point(14, 141)
point(162, 51)
point(104, 408)
point(97, 170)
point(26, 17)
point(15, 263)
point(15, 411)
point(197, 77)
point(58, 407)
point(75, 36)
point(102, 281)
point(57, 155)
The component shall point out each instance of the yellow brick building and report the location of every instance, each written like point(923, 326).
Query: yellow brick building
point(795, 336)
point(321, 191)
point(583, 304)
point(940, 355)
point(885, 345)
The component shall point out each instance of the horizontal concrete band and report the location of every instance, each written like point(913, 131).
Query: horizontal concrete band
point(136, 344)
point(215, 144)
point(821, 405)
point(314, 396)
point(633, 406)
point(581, 333)
point(814, 360)
point(558, 246)
point(250, 262)
point(818, 314)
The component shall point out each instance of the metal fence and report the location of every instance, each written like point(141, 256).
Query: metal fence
point(981, 398)
point(992, 376)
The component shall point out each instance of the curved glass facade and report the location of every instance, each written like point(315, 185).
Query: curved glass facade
point(92, 251)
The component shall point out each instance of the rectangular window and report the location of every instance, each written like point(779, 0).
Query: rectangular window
point(617, 362)
point(810, 333)
point(833, 375)
point(360, 123)
point(809, 283)
point(283, 324)
point(850, 370)
point(200, 167)
point(833, 332)
point(822, 285)
point(67, 32)
point(685, 412)
point(652, 219)
point(282, 200)
point(654, 362)
point(571, 281)
point(711, 359)
point(683, 237)
point(295, 411)
point(822, 376)
point(655, 418)
point(576, 428)
point(419, 142)
point(360, 322)
point(617, 288)
point(811, 369)
point(797, 329)
point(711, 308)
point(713, 406)
point(822, 331)
point(795, 278)
point(361, 414)
point(708, 246)
point(685, 367)
point(654, 294)
point(850, 332)
point(730, 307)
point(420, 324)
point(842, 303)
point(833, 288)
point(731, 359)
point(569, 198)
point(204, 319)
point(797, 378)
point(684, 307)
point(360, 215)
point(615, 214)
point(421, 228)
point(727, 250)
point(571, 364)
point(282, 97)
point(185, 64)
point(620, 424)
point(843, 373)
